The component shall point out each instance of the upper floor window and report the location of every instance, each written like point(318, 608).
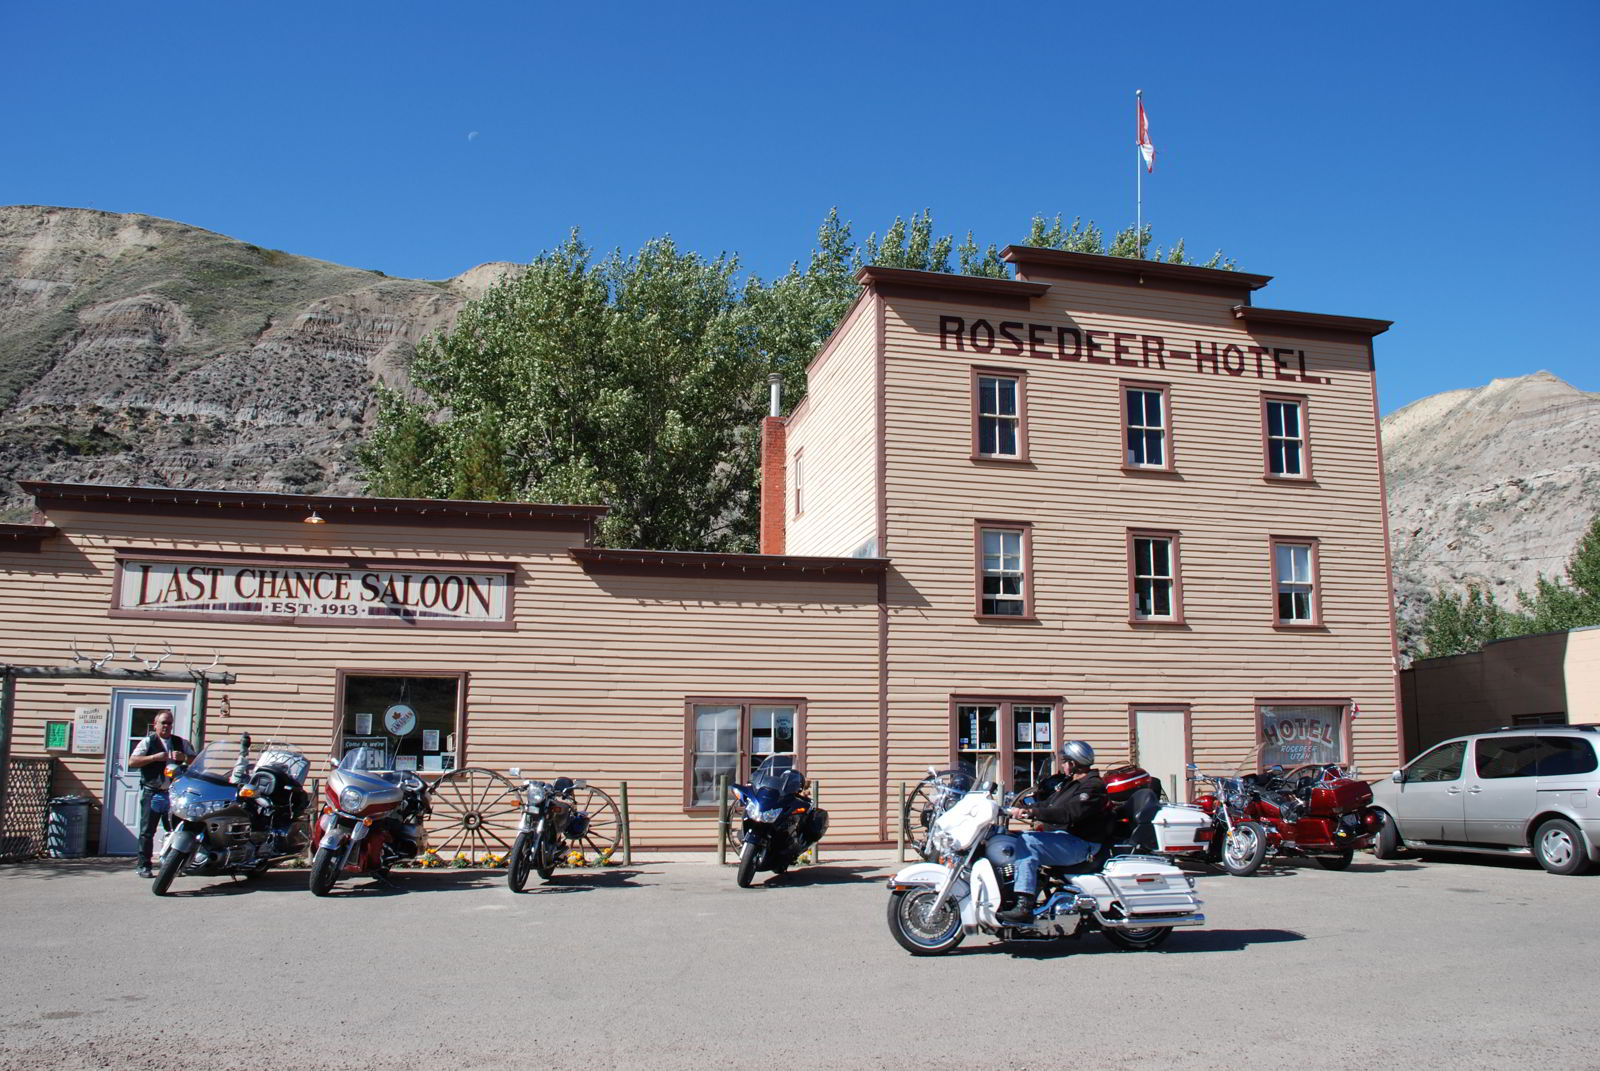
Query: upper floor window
point(799, 482)
point(1288, 451)
point(1146, 427)
point(1003, 582)
point(1155, 576)
point(998, 400)
point(1295, 572)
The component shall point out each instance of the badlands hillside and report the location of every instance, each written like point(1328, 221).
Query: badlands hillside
point(1490, 486)
point(138, 350)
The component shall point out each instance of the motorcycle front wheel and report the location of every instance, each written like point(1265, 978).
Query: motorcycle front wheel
point(172, 865)
point(747, 864)
point(545, 864)
point(1245, 849)
point(520, 864)
point(917, 929)
point(1139, 940)
point(324, 871)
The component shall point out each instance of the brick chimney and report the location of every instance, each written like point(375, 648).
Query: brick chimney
point(774, 435)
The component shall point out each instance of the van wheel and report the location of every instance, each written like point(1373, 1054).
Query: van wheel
point(1387, 844)
point(1559, 847)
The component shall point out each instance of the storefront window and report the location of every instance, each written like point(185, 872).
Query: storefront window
point(415, 720)
point(1293, 735)
point(1017, 735)
point(733, 739)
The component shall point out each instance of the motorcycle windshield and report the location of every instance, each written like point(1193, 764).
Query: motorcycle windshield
point(231, 760)
point(778, 775)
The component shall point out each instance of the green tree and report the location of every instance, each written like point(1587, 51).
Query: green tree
point(627, 381)
point(1459, 624)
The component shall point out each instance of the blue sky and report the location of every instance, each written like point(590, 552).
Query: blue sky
point(1430, 164)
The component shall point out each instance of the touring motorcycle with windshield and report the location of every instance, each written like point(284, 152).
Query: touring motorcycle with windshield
point(780, 820)
point(236, 809)
point(1135, 900)
point(372, 818)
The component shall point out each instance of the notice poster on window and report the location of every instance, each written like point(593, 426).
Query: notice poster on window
point(378, 742)
point(432, 764)
point(430, 740)
point(89, 730)
point(1041, 733)
point(364, 724)
point(447, 761)
point(405, 762)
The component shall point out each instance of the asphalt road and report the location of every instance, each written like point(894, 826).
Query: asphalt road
point(667, 964)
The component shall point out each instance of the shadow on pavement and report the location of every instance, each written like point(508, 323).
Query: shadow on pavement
point(824, 874)
point(50, 869)
point(577, 881)
point(1180, 943)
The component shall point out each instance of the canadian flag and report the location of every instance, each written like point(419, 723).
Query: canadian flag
point(1146, 148)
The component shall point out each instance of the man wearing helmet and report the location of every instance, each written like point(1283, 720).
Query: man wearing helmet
point(1077, 819)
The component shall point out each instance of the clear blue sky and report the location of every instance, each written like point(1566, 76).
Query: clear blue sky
point(1430, 164)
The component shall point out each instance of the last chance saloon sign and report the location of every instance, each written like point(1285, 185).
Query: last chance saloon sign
point(332, 593)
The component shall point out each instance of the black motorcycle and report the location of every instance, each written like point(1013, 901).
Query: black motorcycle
point(235, 810)
point(551, 820)
point(780, 821)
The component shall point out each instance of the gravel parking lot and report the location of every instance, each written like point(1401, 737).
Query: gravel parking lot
point(666, 964)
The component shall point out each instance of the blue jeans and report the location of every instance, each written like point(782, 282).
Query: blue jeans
point(1055, 848)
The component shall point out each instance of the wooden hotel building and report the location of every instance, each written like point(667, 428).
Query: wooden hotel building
point(1109, 499)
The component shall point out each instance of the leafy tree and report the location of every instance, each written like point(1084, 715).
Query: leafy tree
point(1456, 624)
point(627, 381)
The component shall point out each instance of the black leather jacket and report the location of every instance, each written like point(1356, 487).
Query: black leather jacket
point(1080, 807)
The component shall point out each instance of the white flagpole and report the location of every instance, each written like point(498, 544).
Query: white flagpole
point(1138, 176)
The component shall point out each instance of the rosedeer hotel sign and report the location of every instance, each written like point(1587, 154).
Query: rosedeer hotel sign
point(332, 593)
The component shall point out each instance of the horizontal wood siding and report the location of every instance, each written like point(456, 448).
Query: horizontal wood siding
point(590, 682)
point(1227, 654)
point(836, 430)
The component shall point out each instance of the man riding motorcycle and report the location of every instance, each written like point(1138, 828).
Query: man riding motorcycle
point(1077, 817)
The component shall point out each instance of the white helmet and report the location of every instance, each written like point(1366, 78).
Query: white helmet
point(1078, 751)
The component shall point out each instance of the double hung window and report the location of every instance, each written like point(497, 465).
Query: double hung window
point(998, 400)
point(1294, 568)
point(1288, 452)
point(1155, 591)
point(1146, 427)
point(1017, 735)
point(1003, 581)
point(733, 737)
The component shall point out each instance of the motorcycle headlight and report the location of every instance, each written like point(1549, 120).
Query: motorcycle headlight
point(753, 811)
point(352, 800)
point(942, 843)
point(536, 794)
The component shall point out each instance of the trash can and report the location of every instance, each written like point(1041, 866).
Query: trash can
point(68, 832)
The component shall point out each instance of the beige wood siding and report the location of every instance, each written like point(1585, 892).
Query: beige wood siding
point(1227, 655)
point(590, 682)
point(836, 430)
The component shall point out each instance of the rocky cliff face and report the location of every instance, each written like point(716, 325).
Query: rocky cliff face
point(1491, 486)
point(137, 350)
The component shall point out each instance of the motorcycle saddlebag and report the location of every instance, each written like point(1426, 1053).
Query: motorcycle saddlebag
point(816, 825)
point(1337, 797)
point(1125, 779)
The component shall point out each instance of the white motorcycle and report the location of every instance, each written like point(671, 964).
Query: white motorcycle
point(1135, 900)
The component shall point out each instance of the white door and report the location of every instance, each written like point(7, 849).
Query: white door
point(1163, 749)
point(132, 711)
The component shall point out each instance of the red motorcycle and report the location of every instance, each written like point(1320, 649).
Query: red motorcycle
point(372, 819)
point(1318, 811)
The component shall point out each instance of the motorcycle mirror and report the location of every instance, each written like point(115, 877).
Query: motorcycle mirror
point(580, 783)
point(333, 763)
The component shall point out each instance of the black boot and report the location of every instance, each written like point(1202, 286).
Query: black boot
point(1020, 913)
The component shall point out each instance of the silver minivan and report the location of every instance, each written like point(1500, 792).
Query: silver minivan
point(1523, 790)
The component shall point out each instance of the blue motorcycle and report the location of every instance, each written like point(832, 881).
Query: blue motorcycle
point(236, 809)
point(780, 820)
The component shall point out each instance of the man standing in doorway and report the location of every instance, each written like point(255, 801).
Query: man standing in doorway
point(150, 758)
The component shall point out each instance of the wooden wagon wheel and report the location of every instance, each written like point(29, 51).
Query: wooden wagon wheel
point(604, 833)
point(475, 812)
